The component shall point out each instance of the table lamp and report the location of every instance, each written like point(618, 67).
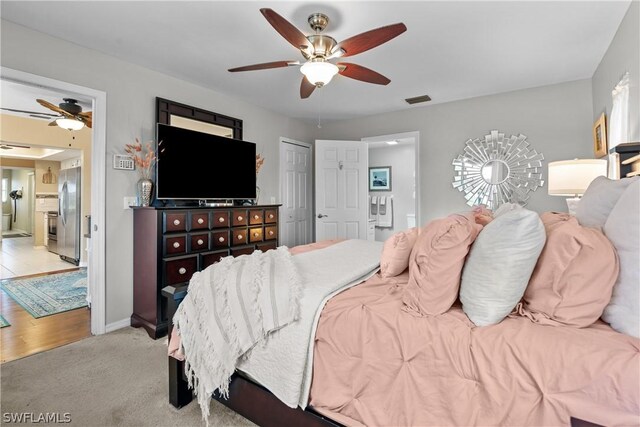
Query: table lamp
point(571, 178)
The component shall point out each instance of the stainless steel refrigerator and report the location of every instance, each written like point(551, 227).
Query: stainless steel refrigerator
point(69, 215)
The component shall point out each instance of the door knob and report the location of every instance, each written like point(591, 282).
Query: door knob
point(322, 216)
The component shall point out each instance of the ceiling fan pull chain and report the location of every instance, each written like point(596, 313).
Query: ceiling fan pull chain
point(319, 97)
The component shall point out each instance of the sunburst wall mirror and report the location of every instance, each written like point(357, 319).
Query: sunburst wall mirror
point(494, 170)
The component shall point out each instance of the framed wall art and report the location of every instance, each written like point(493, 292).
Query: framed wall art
point(600, 137)
point(380, 178)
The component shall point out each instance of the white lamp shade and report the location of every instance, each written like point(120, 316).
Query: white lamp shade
point(319, 72)
point(70, 124)
point(572, 177)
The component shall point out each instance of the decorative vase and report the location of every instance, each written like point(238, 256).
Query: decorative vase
point(145, 191)
point(257, 194)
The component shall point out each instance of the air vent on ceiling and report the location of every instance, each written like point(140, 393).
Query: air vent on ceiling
point(418, 99)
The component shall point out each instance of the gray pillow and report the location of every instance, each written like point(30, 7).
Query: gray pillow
point(599, 199)
point(500, 264)
point(623, 230)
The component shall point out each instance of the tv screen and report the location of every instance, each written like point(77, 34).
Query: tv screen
point(199, 166)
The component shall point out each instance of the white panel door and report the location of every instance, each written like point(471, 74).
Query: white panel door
point(296, 190)
point(341, 189)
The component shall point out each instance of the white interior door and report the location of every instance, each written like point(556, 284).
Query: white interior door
point(296, 221)
point(341, 189)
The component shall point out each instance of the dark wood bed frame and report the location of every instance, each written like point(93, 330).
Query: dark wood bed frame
point(247, 398)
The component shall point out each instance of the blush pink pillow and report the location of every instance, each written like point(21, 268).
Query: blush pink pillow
point(396, 251)
point(574, 276)
point(436, 262)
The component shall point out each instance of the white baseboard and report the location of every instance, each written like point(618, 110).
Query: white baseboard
point(118, 325)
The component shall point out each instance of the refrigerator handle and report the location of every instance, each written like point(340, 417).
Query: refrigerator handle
point(64, 195)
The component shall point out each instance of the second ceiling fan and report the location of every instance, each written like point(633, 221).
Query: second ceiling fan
point(318, 49)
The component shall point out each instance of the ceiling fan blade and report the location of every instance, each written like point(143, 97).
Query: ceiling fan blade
point(10, 145)
point(29, 112)
point(86, 118)
point(306, 88)
point(55, 108)
point(358, 72)
point(265, 66)
point(286, 29)
point(88, 121)
point(368, 40)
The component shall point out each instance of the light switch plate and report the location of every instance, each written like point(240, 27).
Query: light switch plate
point(130, 201)
point(273, 200)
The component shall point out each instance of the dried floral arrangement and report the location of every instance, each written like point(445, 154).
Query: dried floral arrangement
point(143, 156)
point(259, 163)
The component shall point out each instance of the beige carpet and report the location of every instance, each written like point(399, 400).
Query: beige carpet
point(117, 379)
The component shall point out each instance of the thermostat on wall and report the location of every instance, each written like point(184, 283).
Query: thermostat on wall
point(122, 161)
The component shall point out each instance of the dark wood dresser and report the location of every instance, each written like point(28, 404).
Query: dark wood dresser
point(170, 244)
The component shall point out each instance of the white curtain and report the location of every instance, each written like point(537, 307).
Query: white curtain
point(619, 122)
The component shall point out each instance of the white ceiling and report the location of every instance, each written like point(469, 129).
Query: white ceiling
point(451, 50)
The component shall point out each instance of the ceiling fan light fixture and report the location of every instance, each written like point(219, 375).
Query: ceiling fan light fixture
point(319, 73)
point(70, 124)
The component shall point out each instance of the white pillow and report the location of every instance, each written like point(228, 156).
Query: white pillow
point(623, 229)
point(500, 264)
point(601, 196)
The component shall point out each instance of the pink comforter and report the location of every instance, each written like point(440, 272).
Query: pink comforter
point(377, 365)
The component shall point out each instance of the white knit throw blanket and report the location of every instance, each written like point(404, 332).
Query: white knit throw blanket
point(230, 307)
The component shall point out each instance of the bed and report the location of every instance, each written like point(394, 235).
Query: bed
point(376, 363)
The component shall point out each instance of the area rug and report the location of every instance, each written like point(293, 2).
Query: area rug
point(49, 294)
point(3, 322)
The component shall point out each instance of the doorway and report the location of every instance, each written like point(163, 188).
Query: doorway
point(296, 192)
point(95, 245)
point(397, 207)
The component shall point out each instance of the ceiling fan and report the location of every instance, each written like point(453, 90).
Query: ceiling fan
point(318, 49)
point(70, 115)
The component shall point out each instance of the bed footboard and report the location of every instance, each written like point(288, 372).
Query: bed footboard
point(179, 393)
point(248, 399)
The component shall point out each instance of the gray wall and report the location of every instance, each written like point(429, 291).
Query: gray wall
point(131, 92)
point(623, 55)
point(401, 159)
point(557, 120)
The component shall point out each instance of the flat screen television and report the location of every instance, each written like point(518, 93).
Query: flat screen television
point(200, 166)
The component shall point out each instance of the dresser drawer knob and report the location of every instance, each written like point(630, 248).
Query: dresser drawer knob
point(200, 221)
point(221, 239)
point(256, 234)
point(240, 218)
point(240, 237)
point(270, 232)
point(182, 270)
point(270, 216)
point(200, 242)
point(256, 217)
point(221, 219)
point(176, 222)
point(176, 245)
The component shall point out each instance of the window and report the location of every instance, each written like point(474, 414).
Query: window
point(5, 189)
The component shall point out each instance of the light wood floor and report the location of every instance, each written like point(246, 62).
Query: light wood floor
point(27, 335)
